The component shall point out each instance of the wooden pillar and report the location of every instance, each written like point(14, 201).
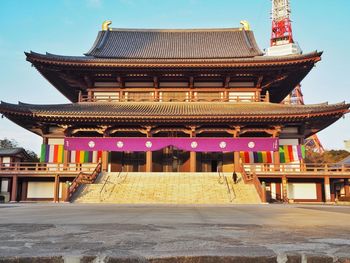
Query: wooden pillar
point(327, 189)
point(104, 161)
point(24, 191)
point(347, 187)
point(193, 162)
point(90, 95)
point(149, 161)
point(236, 162)
point(193, 155)
point(56, 189)
point(276, 160)
point(284, 188)
point(65, 159)
point(14, 188)
point(278, 191)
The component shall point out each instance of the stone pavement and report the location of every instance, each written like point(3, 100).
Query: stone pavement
point(147, 233)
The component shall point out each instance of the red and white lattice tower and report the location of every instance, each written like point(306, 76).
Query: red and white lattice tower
point(281, 23)
point(282, 44)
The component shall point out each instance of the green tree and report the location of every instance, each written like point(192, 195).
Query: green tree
point(7, 144)
point(331, 156)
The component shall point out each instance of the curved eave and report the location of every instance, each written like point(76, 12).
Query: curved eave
point(172, 63)
point(25, 116)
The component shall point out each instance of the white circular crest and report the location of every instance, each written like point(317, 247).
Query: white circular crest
point(148, 144)
point(120, 144)
point(91, 144)
point(251, 145)
point(194, 145)
point(222, 145)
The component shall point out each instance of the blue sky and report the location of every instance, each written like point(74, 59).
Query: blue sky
point(69, 27)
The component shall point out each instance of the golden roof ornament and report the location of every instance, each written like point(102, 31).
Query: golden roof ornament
point(105, 25)
point(245, 24)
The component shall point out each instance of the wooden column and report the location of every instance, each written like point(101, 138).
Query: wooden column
point(284, 188)
point(276, 160)
point(90, 95)
point(236, 157)
point(347, 187)
point(104, 161)
point(56, 189)
point(236, 162)
point(327, 189)
point(65, 159)
point(14, 188)
point(24, 191)
point(193, 155)
point(149, 161)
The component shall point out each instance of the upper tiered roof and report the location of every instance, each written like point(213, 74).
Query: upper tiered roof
point(175, 44)
point(139, 55)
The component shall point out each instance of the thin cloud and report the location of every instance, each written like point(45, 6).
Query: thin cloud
point(94, 3)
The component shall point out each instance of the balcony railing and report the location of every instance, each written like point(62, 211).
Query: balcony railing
point(202, 97)
point(28, 167)
point(319, 168)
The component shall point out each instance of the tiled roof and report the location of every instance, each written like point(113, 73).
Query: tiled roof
point(290, 59)
point(175, 44)
point(11, 151)
point(169, 109)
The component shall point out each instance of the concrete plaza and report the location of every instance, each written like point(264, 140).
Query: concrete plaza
point(145, 233)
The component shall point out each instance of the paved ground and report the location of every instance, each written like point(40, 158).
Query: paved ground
point(240, 233)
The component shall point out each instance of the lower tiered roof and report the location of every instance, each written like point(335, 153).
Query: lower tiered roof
point(315, 117)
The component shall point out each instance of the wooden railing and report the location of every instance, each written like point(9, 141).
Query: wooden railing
point(252, 178)
point(326, 168)
point(202, 97)
point(82, 178)
point(29, 167)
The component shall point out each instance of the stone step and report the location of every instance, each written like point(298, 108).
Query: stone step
point(171, 188)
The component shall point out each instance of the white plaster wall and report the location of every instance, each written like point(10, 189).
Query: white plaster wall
point(55, 141)
point(4, 185)
point(302, 191)
point(42, 190)
point(289, 141)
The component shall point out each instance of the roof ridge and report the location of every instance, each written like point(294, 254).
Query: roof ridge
point(174, 29)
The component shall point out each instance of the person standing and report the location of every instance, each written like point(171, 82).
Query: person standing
point(234, 177)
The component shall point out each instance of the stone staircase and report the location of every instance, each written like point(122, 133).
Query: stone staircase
point(167, 188)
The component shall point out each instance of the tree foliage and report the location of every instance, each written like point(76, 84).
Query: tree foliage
point(331, 156)
point(8, 144)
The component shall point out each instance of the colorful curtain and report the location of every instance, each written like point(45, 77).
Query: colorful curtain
point(55, 154)
point(288, 154)
point(51, 153)
point(85, 156)
point(291, 153)
point(257, 157)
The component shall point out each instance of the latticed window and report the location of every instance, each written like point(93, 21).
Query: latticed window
point(241, 96)
point(138, 96)
point(208, 96)
point(106, 96)
point(173, 96)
